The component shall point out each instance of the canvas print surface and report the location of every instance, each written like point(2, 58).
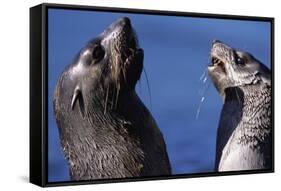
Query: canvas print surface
point(139, 95)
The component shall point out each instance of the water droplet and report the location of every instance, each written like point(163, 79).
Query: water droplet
point(199, 107)
point(205, 79)
point(203, 75)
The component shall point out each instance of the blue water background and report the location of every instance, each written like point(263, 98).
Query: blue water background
point(176, 55)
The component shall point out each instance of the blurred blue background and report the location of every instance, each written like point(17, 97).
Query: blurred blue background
point(176, 55)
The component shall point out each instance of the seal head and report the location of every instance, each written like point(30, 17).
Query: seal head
point(230, 68)
point(113, 62)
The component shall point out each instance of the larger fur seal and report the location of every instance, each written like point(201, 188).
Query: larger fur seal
point(244, 137)
point(105, 129)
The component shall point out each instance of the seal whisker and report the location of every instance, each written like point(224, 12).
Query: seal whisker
point(113, 98)
point(117, 95)
point(123, 69)
point(106, 99)
point(237, 95)
point(235, 89)
point(140, 85)
point(148, 86)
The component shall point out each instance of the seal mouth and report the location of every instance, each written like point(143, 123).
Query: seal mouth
point(131, 49)
point(215, 61)
point(129, 45)
point(220, 55)
point(132, 63)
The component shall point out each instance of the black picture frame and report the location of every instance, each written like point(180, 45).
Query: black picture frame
point(39, 90)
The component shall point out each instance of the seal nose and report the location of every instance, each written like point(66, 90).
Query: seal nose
point(216, 41)
point(125, 21)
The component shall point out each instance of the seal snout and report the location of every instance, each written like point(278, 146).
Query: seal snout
point(123, 34)
point(124, 54)
point(122, 25)
point(125, 21)
point(215, 41)
point(220, 54)
point(122, 22)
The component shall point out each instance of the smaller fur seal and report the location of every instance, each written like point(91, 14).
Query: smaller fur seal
point(105, 130)
point(244, 136)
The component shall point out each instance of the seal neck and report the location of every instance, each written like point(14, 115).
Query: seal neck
point(255, 124)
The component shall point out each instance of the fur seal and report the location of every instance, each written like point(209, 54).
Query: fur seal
point(105, 129)
point(244, 136)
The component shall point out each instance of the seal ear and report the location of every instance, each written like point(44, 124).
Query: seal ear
point(77, 95)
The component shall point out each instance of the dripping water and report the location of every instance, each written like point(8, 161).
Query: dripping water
point(206, 84)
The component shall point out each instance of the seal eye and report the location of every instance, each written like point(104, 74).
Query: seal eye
point(240, 61)
point(98, 53)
